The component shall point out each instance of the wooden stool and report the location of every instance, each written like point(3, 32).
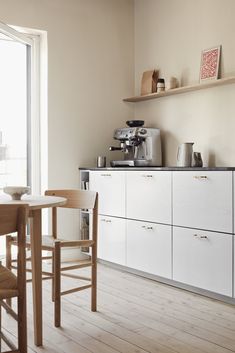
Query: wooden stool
point(13, 219)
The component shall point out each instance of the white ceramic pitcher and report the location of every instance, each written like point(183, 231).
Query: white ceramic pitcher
point(184, 155)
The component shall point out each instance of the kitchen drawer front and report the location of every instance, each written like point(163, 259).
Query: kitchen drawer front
point(111, 189)
point(234, 266)
point(203, 200)
point(203, 259)
point(149, 247)
point(112, 239)
point(149, 196)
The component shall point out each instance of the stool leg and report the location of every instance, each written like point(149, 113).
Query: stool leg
point(94, 278)
point(21, 284)
point(53, 278)
point(57, 286)
point(8, 260)
point(22, 325)
point(0, 326)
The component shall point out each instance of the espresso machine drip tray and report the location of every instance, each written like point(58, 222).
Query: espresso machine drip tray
point(130, 163)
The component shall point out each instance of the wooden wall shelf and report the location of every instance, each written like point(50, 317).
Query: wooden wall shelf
point(209, 84)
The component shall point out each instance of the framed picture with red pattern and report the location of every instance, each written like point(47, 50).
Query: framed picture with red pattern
point(210, 61)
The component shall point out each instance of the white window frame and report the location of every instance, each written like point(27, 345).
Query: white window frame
point(36, 42)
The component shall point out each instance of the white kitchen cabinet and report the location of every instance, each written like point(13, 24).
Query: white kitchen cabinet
point(111, 190)
point(112, 239)
point(234, 266)
point(203, 200)
point(148, 196)
point(177, 225)
point(149, 247)
point(203, 259)
point(234, 236)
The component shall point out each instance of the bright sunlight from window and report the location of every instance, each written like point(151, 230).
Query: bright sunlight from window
point(13, 113)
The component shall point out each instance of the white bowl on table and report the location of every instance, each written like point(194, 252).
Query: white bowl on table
point(16, 192)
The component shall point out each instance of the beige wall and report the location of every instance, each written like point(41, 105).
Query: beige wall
point(170, 35)
point(90, 70)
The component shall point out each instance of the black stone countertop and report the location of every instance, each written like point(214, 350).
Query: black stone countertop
point(205, 169)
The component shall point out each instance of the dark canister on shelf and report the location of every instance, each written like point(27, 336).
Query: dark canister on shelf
point(160, 85)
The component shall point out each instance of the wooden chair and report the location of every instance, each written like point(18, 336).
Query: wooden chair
point(13, 219)
point(76, 199)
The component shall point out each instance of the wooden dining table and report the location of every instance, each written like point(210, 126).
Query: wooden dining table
point(36, 204)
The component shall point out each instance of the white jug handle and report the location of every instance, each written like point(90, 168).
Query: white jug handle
point(177, 158)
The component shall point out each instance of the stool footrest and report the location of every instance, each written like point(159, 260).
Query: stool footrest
point(9, 310)
point(75, 289)
point(8, 342)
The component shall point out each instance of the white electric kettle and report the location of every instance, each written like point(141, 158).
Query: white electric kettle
point(184, 155)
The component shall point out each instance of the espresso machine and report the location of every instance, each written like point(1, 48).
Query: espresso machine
point(141, 146)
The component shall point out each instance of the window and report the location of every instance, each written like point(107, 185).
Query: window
point(14, 156)
point(22, 110)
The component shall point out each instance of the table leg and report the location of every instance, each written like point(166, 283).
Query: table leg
point(36, 254)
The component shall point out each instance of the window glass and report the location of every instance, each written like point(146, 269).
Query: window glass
point(13, 113)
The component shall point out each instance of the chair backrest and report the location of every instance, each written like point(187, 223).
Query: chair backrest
point(13, 218)
point(76, 198)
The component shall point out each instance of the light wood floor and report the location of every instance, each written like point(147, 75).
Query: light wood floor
point(135, 315)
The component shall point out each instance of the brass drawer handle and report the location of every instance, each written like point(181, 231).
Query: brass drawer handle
point(201, 236)
point(200, 177)
point(147, 227)
point(106, 175)
point(147, 175)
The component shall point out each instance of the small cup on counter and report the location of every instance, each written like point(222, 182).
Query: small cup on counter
point(197, 160)
point(101, 162)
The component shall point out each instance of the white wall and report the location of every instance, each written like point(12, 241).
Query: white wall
point(170, 35)
point(90, 70)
